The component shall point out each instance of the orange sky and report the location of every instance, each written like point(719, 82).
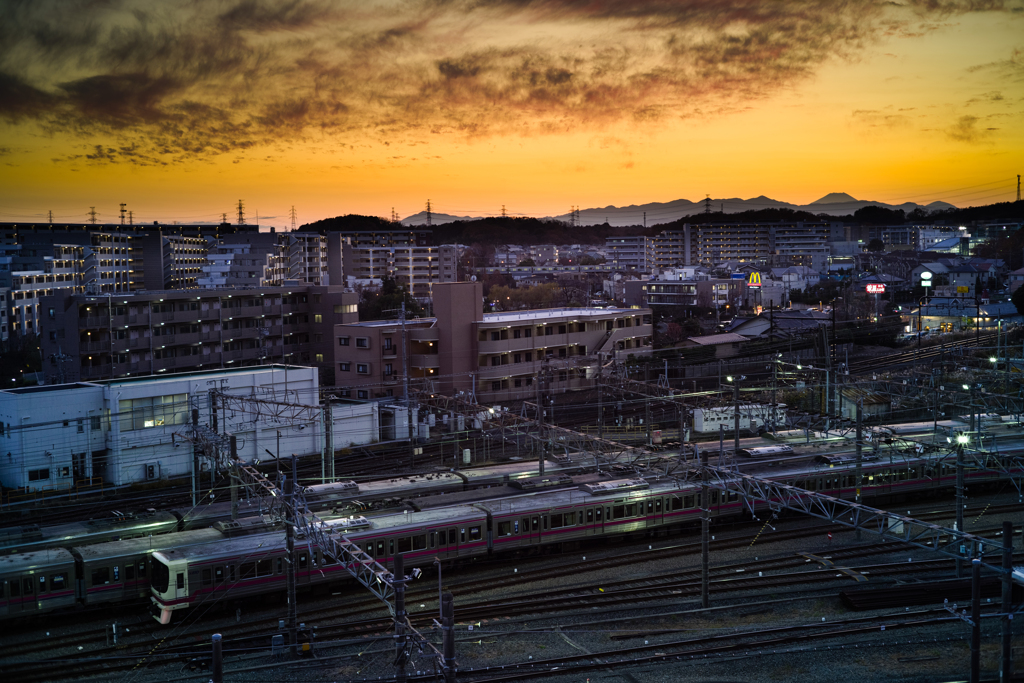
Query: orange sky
point(180, 109)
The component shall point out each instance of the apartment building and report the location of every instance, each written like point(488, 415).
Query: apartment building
point(171, 261)
point(415, 267)
point(87, 337)
point(633, 252)
point(494, 356)
point(233, 264)
point(303, 258)
point(800, 244)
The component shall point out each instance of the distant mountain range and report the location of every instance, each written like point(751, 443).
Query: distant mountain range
point(832, 204)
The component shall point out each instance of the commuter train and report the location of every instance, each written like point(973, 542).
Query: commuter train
point(337, 497)
point(181, 570)
point(203, 575)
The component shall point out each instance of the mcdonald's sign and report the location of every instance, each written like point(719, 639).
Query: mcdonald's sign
point(754, 280)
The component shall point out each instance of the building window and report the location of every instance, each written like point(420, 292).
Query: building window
point(495, 336)
point(387, 344)
point(317, 318)
point(363, 368)
point(519, 383)
point(362, 342)
point(362, 393)
point(529, 381)
point(345, 367)
point(529, 356)
point(319, 358)
point(38, 475)
point(495, 386)
point(561, 329)
point(548, 331)
point(516, 334)
point(318, 338)
point(528, 333)
point(495, 361)
point(389, 369)
point(342, 341)
point(518, 358)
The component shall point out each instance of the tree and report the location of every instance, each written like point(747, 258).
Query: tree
point(876, 245)
point(1018, 299)
point(527, 263)
point(385, 303)
point(588, 260)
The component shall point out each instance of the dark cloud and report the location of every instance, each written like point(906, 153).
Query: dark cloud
point(966, 129)
point(180, 80)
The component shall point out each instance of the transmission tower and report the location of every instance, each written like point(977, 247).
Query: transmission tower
point(131, 218)
point(1018, 187)
point(51, 211)
point(707, 203)
point(428, 214)
point(293, 214)
point(394, 215)
point(503, 214)
point(241, 213)
point(92, 215)
point(578, 216)
point(224, 218)
point(123, 212)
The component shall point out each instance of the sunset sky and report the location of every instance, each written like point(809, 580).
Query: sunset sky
point(181, 108)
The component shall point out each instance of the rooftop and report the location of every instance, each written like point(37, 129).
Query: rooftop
point(553, 313)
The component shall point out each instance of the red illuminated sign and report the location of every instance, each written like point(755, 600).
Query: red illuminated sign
point(876, 289)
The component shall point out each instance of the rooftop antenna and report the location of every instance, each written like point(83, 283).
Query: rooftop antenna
point(241, 213)
point(92, 215)
point(293, 218)
point(122, 212)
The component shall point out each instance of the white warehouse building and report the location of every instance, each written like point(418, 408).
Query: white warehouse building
point(132, 430)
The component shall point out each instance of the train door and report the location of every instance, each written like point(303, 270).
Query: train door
point(181, 581)
point(453, 542)
point(22, 590)
point(653, 512)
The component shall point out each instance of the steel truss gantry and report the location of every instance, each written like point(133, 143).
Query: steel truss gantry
point(950, 542)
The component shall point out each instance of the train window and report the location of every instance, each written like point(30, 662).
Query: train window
point(280, 565)
point(247, 570)
point(316, 558)
point(734, 496)
point(462, 535)
point(117, 574)
point(100, 576)
point(179, 581)
point(526, 525)
point(264, 568)
point(433, 539)
point(26, 587)
point(536, 524)
point(545, 522)
point(142, 569)
point(590, 515)
point(58, 582)
point(442, 538)
point(218, 574)
point(505, 528)
point(207, 577)
point(515, 526)
point(3, 590)
point(631, 510)
point(391, 546)
point(231, 573)
point(598, 513)
point(650, 506)
point(680, 503)
point(129, 572)
point(42, 584)
point(618, 512)
point(328, 560)
point(714, 497)
point(380, 548)
point(404, 545)
point(15, 588)
point(303, 561)
point(697, 500)
point(419, 542)
point(474, 533)
point(657, 505)
point(556, 521)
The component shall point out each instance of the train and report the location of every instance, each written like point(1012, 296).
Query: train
point(340, 497)
point(766, 451)
point(182, 570)
point(752, 416)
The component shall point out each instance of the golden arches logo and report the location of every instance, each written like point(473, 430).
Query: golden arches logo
point(754, 280)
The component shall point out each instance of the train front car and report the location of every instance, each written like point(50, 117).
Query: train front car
point(169, 585)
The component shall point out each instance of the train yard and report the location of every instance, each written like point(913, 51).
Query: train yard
point(790, 596)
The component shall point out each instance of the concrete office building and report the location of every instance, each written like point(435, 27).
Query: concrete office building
point(492, 356)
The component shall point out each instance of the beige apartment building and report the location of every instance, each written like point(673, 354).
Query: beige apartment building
point(493, 356)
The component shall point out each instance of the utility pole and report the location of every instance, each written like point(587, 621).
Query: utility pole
point(400, 639)
point(329, 436)
point(540, 422)
point(705, 532)
point(289, 492)
point(234, 477)
point(195, 456)
point(960, 499)
point(1006, 606)
point(859, 472)
point(736, 418)
point(975, 620)
point(405, 379)
point(448, 630)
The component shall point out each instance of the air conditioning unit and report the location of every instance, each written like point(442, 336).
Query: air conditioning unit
point(152, 471)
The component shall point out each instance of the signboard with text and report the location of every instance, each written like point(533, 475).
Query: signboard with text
point(876, 288)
